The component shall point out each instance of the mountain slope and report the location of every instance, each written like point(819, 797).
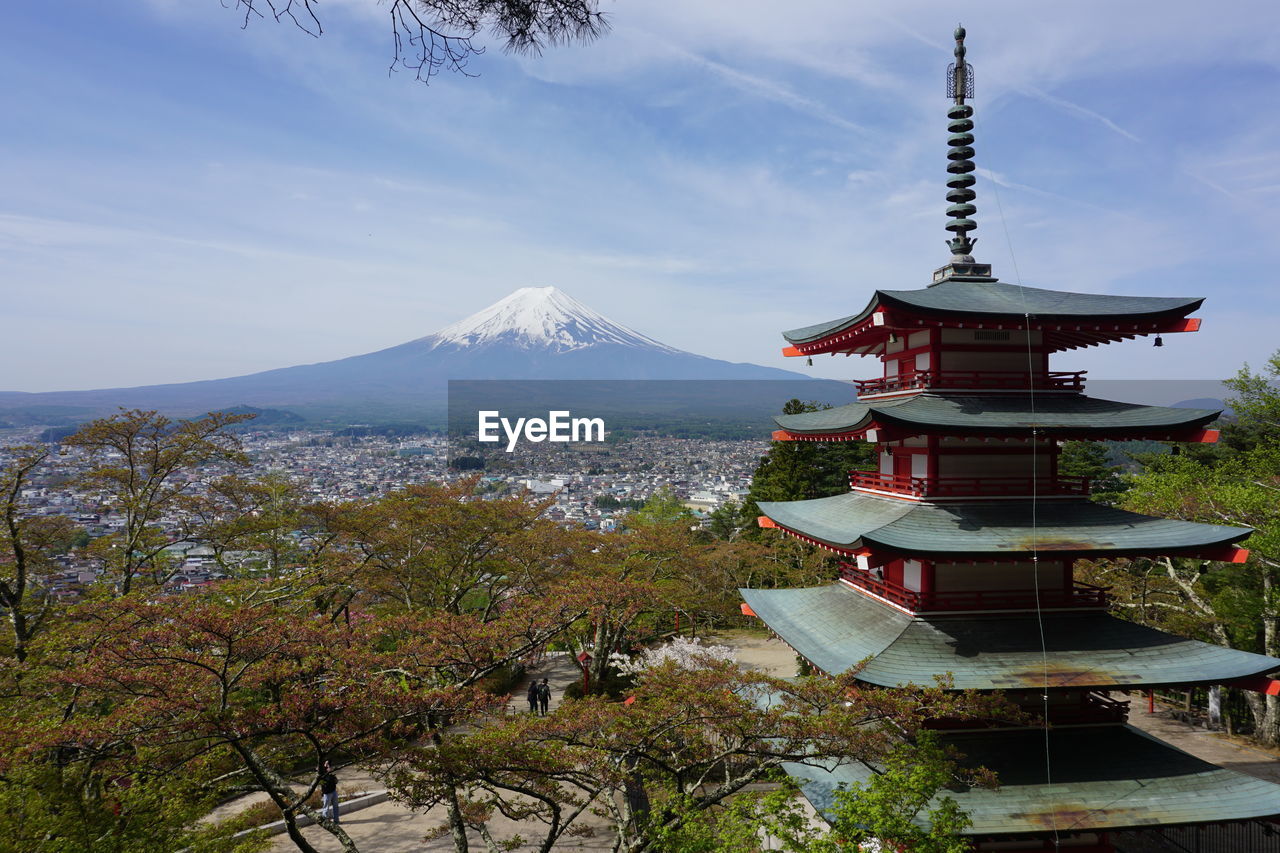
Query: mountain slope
point(534, 333)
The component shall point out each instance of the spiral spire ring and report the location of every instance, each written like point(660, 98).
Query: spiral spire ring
point(960, 166)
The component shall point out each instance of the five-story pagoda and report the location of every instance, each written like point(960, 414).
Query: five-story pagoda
point(957, 552)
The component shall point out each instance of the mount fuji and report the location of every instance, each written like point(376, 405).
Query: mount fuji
point(540, 318)
point(534, 333)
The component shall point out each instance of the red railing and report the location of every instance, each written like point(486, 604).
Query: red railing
point(1078, 595)
point(1052, 381)
point(938, 487)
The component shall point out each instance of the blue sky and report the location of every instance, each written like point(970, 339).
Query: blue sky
point(185, 199)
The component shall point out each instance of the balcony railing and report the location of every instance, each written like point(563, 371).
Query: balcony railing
point(972, 379)
point(1077, 595)
point(957, 487)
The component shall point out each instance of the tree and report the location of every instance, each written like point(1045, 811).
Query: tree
point(430, 35)
point(1090, 459)
point(28, 544)
point(902, 807)
point(1257, 408)
point(72, 807)
point(799, 470)
point(663, 507)
point(725, 520)
point(258, 688)
point(143, 463)
point(436, 547)
point(266, 518)
point(686, 743)
point(1232, 605)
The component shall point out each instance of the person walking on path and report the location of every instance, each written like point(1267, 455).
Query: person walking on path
point(544, 696)
point(535, 694)
point(329, 790)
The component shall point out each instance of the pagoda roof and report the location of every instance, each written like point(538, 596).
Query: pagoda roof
point(959, 414)
point(1103, 778)
point(969, 529)
point(992, 298)
point(837, 628)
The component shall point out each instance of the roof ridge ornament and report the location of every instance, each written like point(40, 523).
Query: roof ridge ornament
point(960, 169)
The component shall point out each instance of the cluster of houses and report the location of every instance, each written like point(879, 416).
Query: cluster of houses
point(594, 488)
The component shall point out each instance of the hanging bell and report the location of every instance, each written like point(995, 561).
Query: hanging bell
point(809, 361)
point(1159, 341)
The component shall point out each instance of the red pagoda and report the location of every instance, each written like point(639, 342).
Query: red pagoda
point(957, 551)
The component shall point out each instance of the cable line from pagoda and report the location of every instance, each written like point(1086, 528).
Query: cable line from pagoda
point(961, 194)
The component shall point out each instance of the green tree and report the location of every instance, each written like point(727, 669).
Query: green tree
point(1229, 604)
point(799, 470)
point(1257, 408)
point(725, 520)
point(143, 464)
point(1090, 459)
point(28, 544)
point(663, 507)
point(1233, 605)
point(902, 807)
point(666, 767)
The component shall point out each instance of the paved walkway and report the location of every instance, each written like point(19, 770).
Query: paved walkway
point(1214, 747)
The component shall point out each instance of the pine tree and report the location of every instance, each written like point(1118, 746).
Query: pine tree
point(800, 470)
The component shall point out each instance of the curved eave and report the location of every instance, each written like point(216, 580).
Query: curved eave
point(820, 331)
point(1004, 415)
point(838, 629)
point(1074, 320)
point(964, 530)
point(959, 298)
point(1143, 783)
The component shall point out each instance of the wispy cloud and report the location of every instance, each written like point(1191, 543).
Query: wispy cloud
point(1077, 110)
point(770, 90)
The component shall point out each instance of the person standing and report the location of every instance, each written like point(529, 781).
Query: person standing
point(329, 791)
point(534, 694)
point(544, 696)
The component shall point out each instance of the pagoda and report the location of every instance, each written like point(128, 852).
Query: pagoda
point(956, 553)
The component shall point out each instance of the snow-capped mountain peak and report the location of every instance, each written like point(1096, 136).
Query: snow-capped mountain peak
point(543, 318)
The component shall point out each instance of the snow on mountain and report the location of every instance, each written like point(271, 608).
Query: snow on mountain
point(535, 333)
point(542, 318)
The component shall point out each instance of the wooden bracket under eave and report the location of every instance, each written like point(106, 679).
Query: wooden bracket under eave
point(1187, 324)
point(1257, 684)
point(782, 435)
point(1224, 554)
point(766, 522)
point(1204, 436)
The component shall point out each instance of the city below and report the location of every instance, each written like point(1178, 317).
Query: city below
point(590, 486)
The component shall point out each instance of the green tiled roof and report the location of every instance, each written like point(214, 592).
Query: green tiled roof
point(997, 413)
point(836, 627)
point(991, 528)
point(998, 299)
point(1103, 778)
